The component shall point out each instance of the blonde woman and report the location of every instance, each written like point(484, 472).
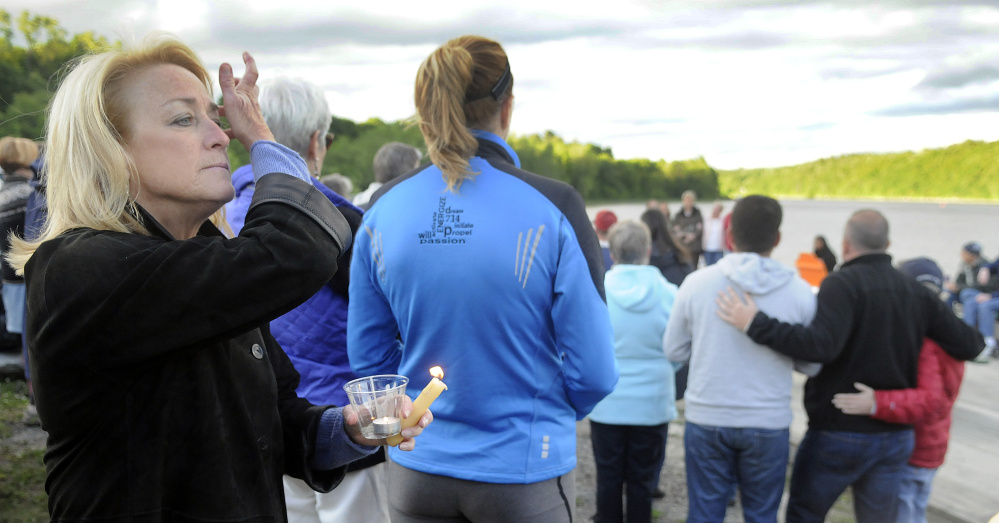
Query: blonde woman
point(162, 391)
point(495, 274)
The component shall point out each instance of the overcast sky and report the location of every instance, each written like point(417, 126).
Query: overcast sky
point(742, 83)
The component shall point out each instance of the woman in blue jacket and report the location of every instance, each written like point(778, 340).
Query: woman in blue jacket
point(494, 274)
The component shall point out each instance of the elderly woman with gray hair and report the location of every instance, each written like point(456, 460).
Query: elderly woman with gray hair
point(628, 428)
point(314, 333)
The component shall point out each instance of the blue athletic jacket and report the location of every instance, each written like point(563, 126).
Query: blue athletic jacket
point(501, 284)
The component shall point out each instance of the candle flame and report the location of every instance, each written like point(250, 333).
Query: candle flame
point(437, 372)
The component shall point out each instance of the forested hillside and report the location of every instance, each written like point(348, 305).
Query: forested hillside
point(592, 170)
point(968, 170)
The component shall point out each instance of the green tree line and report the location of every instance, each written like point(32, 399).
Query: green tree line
point(29, 72)
point(966, 170)
point(591, 169)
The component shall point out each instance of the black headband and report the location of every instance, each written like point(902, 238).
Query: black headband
point(501, 85)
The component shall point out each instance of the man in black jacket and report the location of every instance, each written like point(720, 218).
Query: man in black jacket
point(869, 326)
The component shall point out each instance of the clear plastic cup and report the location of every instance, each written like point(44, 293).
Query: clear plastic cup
point(378, 401)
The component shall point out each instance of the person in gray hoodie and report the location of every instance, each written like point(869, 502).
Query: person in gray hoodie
point(738, 392)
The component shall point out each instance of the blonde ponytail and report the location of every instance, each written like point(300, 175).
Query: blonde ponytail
point(453, 95)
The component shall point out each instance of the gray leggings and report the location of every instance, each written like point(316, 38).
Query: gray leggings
point(419, 497)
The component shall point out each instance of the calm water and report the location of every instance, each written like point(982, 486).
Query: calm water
point(916, 229)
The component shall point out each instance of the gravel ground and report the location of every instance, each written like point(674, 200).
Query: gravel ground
point(670, 509)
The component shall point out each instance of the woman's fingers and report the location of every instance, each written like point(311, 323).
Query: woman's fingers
point(249, 79)
point(226, 81)
point(409, 443)
point(240, 105)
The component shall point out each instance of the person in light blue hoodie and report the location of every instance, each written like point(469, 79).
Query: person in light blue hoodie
point(628, 428)
point(737, 404)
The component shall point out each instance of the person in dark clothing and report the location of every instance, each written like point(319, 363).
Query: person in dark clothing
point(20, 161)
point(163, 393)
point(928, 406)
point(16, 157)
point(824, 253)
point(667, 255)
point(688, 226)
point(868, 328)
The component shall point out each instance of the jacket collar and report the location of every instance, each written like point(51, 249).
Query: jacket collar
point(491, 145)
point(156, 229)
point(869, 259)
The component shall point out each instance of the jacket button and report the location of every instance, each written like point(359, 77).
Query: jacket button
point(257, 351)
point(263, 443)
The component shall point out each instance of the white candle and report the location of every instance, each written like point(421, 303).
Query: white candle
point(422, 403)
point(386, 426)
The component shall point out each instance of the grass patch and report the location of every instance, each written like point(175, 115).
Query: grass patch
point(13, 400)
point(22, 473)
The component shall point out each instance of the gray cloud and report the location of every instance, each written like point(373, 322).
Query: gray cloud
point(509, 26)
point(742, 40)
point(953, 78)
point(988, 103)
point(849, 73)
point(711, 25)
point(755, 4)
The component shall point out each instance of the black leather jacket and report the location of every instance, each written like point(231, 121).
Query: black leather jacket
point(164, 395)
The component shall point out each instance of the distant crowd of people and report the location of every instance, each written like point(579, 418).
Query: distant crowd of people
point(882, 351)
point(188, 331)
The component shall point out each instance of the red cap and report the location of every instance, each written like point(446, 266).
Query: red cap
point(604, 220)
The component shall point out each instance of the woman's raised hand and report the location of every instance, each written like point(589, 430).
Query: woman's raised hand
point(240, 105)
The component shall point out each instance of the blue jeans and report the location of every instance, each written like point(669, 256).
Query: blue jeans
point(969, 305)
point(914, 494)
point(13, 304)
point(721, 458)
point(712, 257)
point(828, 462)
point(627, 459)
point(987, 317)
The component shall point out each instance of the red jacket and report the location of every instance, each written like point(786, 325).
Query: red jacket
point(927, 406)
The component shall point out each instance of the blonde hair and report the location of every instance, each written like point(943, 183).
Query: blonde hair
point(88, 171)
point(16, 153)
point(453, 89)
